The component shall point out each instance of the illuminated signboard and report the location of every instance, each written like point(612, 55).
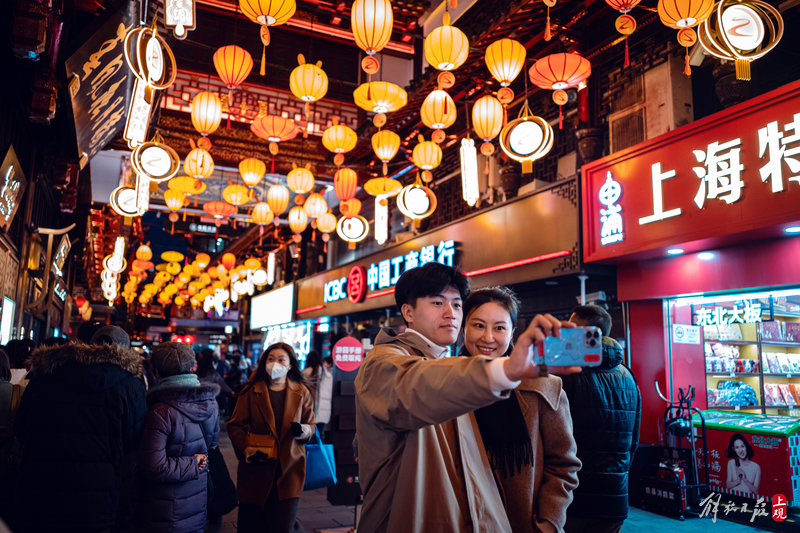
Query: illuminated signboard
point(61, 255)
point(720, 316)
point(610, 216)
point(12, 185)
point(386, 273)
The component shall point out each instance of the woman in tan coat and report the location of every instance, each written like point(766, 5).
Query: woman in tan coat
point(274, 417)
point(528, 437)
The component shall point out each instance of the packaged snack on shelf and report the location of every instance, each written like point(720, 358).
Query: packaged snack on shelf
point(785, 366)
point(708, 349)
point(792, 331)
point(737, 392)
point(788, 397)
point(712, 397)
point(792, 307)
point(794, 361)
point(795, 387)
point(730, 332)
point(710, 332)
point(747, 366)
point(769, 394)
point(773, 363)
point(771, 331)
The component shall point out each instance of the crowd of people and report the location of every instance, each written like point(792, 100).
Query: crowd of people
point(114, 441)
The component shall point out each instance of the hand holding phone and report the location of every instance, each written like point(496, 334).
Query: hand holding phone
point(577, 346)
point(520, 363)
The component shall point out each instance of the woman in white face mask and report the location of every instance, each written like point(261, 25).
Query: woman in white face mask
point(273, 418)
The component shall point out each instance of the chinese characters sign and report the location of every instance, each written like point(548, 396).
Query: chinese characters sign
point(12, 185)
point(737, 170)
point(348, 354)
point(720, 316)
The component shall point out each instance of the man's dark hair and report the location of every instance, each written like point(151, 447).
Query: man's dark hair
point(428, 280)
point(328, 360)
point(19, 351)
point(54, 341)
point(87, 330)
point(594, 315)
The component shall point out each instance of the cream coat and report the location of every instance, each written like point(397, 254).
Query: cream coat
point(406, 402)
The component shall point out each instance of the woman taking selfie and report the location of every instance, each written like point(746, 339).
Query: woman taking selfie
point(528, 437)
point(273, 418)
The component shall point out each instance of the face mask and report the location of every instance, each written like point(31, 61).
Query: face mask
point(276, 370)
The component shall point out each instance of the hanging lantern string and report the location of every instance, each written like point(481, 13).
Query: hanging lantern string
point(547, 34)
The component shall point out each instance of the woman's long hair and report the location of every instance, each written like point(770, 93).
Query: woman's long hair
point(261, 373)
point(313, 361)
point(205, 367)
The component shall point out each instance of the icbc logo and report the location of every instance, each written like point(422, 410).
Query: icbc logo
point(357, 284)
point(779, 507)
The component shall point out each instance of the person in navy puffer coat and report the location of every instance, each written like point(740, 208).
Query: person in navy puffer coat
point(172, 468)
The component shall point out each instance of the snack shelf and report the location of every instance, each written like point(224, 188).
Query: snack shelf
point(783, 314)
point(788, 375)
point(734, 374)
point(782, 344)
point(736, 407)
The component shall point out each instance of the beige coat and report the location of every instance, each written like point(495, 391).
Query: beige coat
point(253, 414)
point(542, 492)
point(422, 464)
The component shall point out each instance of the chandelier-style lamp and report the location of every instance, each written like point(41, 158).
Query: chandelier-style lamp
point(505, 59)
point(446, 47)
point(326, 224)
point(252, 171)
point(426, 155)
point(308, 82)
point(175, 201)
point(558, 72)
point(219, 210)
point(339, 139)
point(438, 110)
point(380, 96)
point(199, 164)
point(300, 179)
point(371, 22)
point(416, 202)
point(233, 64)
point(315, 206)
point(385, 144)
point(206, 112)
point(345, 184)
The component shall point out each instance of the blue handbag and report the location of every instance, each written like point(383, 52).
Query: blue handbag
point(320, 465)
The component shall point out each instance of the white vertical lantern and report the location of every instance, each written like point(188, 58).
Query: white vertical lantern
point(469, 171)
point(381, 218)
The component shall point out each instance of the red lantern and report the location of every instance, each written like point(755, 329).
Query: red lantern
point(229, 261)
point(345, 184)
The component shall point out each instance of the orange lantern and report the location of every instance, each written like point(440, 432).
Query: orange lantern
point(300, 179)
point(268, 12)
point(427, 155)
point(233, 64)
point(262, 214)
point(206, 111)
point(144, 253)
point(345, 183)
point(371, 22)
point(382, 187)
point(339, 139)
point(385, 143)
point(298, 219)
point(252, 171)
point(326, 223)
point(229, 261)
point(236, 194)
point(199, 164)
point(219, 209)
point(446, 47)
point(202, 260)
point(505, 59)
point(174, 199)
point(380, 96)
point(187, 185)
point(274, 128)
point(308, 82)
point(278, 198)
point(438, 110)
point(350, 208)
point(679, 14)
point(487, 117)
point(558, 72)
point(315, 206)
point(623, 6)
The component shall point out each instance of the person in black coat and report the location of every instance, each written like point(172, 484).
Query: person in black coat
point(606, 407)
point(182, 427)
point(82, 412)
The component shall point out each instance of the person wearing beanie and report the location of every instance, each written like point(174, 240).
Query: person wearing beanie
point(182, 425)
point(80, 419)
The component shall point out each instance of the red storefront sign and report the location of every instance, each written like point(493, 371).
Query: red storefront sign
point(733, 172)
point(348, 354)
point(357, 284)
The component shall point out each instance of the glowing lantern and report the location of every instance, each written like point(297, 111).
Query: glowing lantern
point(199, 164)
point(308, 82)
point(469, 172)
point(172, 257)
point(173, 269)
point(679, 14)
point(487, 117)
point(315, 206)
point(144, 253)
point(187, 185)
point(371, 22)
point(219, 209)
point(380, 96)
point(278, 198)
point(326, 223)
point(300, 179)
point(626, 25)
point(623, 6)
point(351, 207)
point(252, 171)
point(345, 183)
point(229, 261)
point(438, 111)
point(174, 199)
point(274, 128)
point(206, 112)
point(427, 155)
point(233, 64)
point(505, 59)
point(202, 260)
point(262, 214)
point(339, 139)
point(560, 71)
point(416, 202)
point(298, 219)
point(446, 47)
point(268, 12)
point(382, 187)
point(236, 194)
point(385, 143)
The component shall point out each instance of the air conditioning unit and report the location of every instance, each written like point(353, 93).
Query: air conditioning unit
point(656, 102)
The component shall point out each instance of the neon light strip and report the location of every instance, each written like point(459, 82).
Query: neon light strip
point(380, 293)
point(309, 309)
point(522, 262)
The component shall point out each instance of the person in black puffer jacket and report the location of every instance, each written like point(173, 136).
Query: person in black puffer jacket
point(606, 408)
point(172, 467)
point(82, 413)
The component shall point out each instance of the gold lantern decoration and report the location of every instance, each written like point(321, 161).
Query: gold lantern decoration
point(262, 215)
point(371, 23)
point(426, 155)
point(416, 202)
point(144, 252)
point(679, 14)
point(278, 198)
point(487, 117)
point(233, 64)
point(274, 128)
point(202, 260)
point(298, 219)
point(174, 199)
point(300, 179)
point(438, 110)
point(505, 59)
point(351, 207)
point(268, 12)
point(345, 184)
point(252, 171)
point(308, 82)
point(236, 194)
point(382, 187)
point(559, 72)
point(206, 111)
point(326, 224)
point(380, 96)
point(199, 164)
point(385, 143)
point(623, 6)
point(187, 185)
point(315, 206)
point(339, 139)
point(446, 47)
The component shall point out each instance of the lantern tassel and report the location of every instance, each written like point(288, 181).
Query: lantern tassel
point(195, 200)
point(314, 235)
point(560, 119)
point(486, 169)
point(385, 169)
point(260, 236)
point(547, 34)
point(627, 58)
point(272, 171)
point(505, 115)
point(263, 70)
point(325, 248)
point(172, 231)
point(688, 68)
point(230, 106)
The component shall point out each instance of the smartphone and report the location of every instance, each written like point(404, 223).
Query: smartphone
point(575, 347)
